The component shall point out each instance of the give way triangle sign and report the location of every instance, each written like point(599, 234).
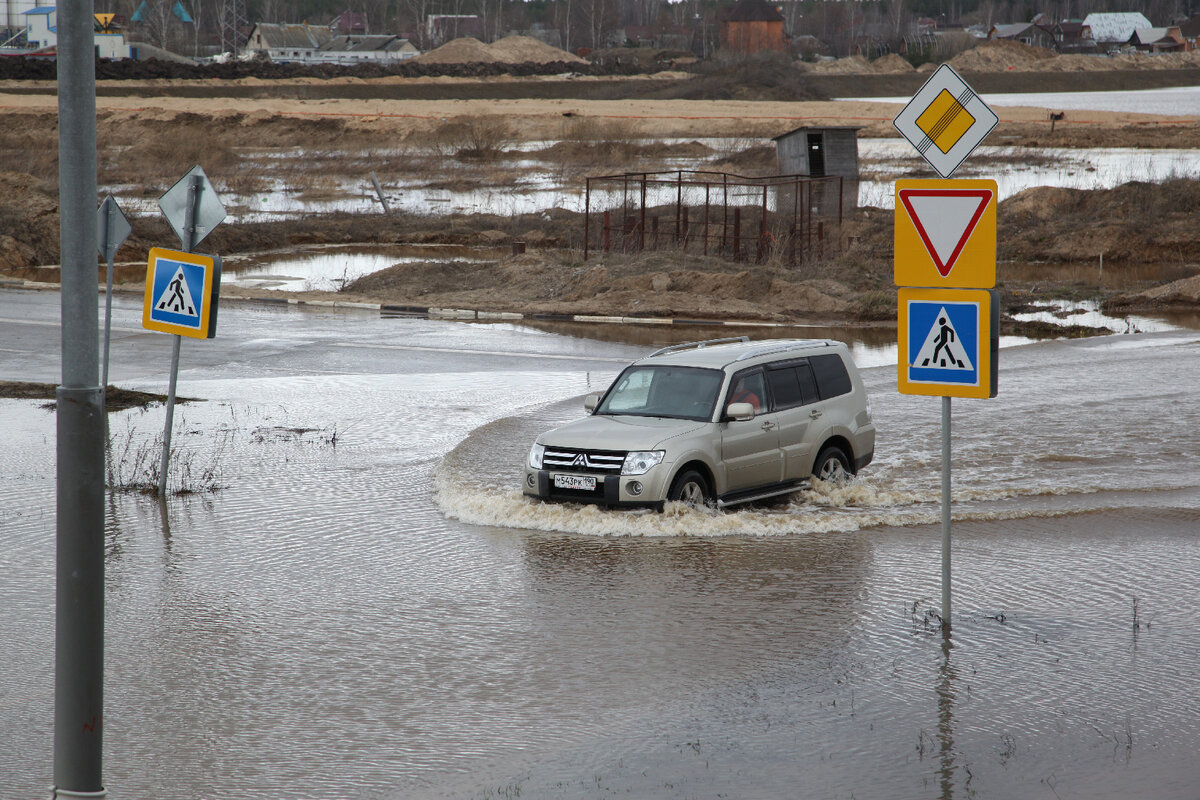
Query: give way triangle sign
point(945, 233)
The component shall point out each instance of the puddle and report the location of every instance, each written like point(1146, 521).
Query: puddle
point(331, 269)
point(1088, 313)
point(1017, 169)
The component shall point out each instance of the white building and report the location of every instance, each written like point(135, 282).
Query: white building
point(40, 26)
point(1113, 28)
point(304, 44)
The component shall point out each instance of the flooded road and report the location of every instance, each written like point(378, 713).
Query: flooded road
point(367, 608)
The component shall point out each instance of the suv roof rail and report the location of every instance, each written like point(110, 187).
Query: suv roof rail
point(675, 348)
point(779, 347)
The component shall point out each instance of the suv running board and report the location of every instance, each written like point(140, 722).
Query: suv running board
point(737, 498)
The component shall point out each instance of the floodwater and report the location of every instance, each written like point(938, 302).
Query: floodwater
point(367, 608)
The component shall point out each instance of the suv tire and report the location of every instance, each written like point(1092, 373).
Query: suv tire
point(832, 465)
point(691, 488)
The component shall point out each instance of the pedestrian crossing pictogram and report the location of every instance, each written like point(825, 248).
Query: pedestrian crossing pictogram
point(948, 342)
point(943, 347)
point(181, 293)
point(177, 298)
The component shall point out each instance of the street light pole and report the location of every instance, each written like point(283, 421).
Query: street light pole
point(79, 614)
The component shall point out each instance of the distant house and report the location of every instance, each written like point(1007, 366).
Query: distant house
point(286, 42)
point(1068, 37)
point(309, 44)
point(365, 49)
point(41, 33)
point(1189, 29)
point(1158, 40)
point(1025, 33)
point(753, 26)
point(41, 27)
point(1111, 30)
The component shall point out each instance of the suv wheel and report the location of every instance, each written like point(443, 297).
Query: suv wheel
point(832, 465)
point(690, 488)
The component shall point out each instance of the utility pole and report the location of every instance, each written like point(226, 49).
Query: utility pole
point(79, 611)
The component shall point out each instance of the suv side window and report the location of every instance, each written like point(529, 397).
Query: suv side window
point(748, 387)
point(792, 384)
point(832, 378)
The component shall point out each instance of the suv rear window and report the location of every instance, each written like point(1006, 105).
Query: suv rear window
point(832, 378)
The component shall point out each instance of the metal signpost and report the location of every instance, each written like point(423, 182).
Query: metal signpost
point(945, 265)
point(79, 511)
point(193, 209)
point(112, 229)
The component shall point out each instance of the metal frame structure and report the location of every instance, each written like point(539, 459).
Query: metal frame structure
point(711, 213)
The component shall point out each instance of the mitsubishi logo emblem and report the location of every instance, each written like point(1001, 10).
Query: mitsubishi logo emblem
point(580, 461)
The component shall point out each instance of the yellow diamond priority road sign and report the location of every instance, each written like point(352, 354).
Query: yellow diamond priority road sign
point(945, 120)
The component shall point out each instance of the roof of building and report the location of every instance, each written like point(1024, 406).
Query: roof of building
point(1115, 27)
point(282, 35)
point(817, 128)
point(754, 11)
point(365, 44)
point(41, 10)
point(1155, 35)
point(1010, 30)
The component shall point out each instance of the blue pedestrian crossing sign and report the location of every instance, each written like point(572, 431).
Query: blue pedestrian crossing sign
point(948, 342)
point(182, 290)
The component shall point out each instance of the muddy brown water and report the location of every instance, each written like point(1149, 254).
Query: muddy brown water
point(381, 614)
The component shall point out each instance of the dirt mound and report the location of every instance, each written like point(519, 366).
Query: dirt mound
point(509, 50)
point(851, 65)
point(1000, 55)
point(526, 49)
point(891, 63)
point(28, 209)
point(763, 76)
point(465, 50)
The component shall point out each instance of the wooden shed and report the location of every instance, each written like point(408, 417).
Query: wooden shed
point(822, 152)
point(752, 26)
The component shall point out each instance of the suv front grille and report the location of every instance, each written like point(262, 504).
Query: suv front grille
point(601, 462)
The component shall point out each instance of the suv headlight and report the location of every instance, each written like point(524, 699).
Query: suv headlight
point(535, 456)
point(640, 462)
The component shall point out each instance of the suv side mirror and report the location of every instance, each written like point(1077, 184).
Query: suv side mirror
point(591, 401)
point(740, 411)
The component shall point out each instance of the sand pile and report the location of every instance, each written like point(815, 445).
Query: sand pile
point(525, 49)
point(857, 65)
point(891, 63)
point(465, 50)
point(1000, 55)
point(509, 50)
point(851, 65)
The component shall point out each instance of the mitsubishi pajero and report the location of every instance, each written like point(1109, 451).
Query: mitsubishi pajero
point(718, 422)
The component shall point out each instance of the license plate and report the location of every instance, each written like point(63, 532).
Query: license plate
point(585, 483)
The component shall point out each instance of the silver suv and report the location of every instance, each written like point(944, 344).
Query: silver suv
point(719, 422)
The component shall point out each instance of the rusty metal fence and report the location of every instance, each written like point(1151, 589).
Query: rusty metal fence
point(741, 218)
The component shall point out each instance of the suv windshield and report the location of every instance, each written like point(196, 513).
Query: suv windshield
point(664, 391)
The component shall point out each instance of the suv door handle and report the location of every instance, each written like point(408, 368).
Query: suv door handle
point(768, 425)
point(814, 413)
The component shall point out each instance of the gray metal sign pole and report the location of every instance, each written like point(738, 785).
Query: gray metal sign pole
point(188, 240)
point(79, 592)
point(946, 513)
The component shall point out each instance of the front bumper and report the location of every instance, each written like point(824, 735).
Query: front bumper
point(611, 490)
